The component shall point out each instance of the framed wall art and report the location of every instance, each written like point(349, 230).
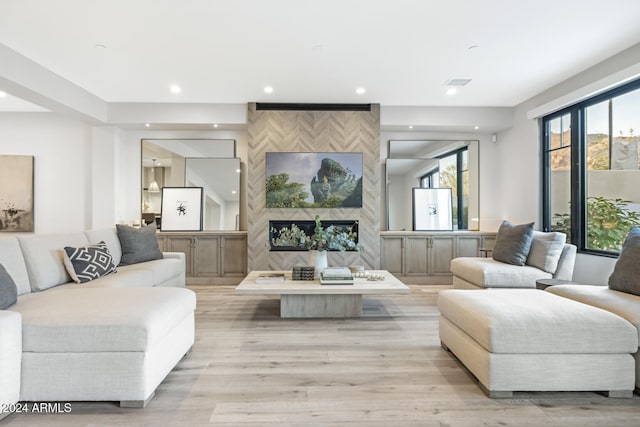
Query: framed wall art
point(181, 209)
point(16, 194)
point(432, 209)
point(314, 180)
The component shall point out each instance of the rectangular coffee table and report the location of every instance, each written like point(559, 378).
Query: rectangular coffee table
point(306, 298)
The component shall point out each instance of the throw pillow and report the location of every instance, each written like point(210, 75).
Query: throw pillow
point(626, 273)
point(88, 262)
point(138, 244)
point(546, 249)
point(8, 289)
point(513, 243)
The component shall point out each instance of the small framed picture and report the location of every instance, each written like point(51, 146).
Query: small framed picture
point(432, 209)
point(181, 209)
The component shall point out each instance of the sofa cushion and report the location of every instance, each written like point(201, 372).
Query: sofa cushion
point(43, 255)
point(515, 321)
point(110, 237)
point(513, 243)
point(626, 273)
point(138, 244)
point(623, 304)
point(102, 319)
point(126, 278)
point(487, 272)
point(12, 259)
point(8, 289)
point(87, 263)
point(545, 250)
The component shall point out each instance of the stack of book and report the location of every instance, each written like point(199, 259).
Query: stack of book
point(303, 272)
point(336, 276)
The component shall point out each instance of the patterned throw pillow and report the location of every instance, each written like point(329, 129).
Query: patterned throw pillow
point(88, 262)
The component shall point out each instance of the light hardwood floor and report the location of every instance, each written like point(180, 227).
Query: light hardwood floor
point(249, 367)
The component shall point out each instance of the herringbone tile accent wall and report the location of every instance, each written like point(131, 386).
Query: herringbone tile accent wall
point(313, 131)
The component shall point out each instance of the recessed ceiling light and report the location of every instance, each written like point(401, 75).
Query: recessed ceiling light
point(238, 170)
point(175, 89)
point(457, 82)
point(3, 94)
point(410, 126)
point(476, 127)
point(147, 124)
point(215, 125)
point(452, 91)
point(360, 91)
point(233, 191)
point(268, 89)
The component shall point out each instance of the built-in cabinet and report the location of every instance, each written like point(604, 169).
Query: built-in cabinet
point(423, 257)
point(211, 257)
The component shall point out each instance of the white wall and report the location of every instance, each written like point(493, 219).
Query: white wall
point(518, 161)
point(86, 177)
point(62, 167)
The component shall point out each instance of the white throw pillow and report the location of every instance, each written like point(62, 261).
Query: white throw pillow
point(546, 249)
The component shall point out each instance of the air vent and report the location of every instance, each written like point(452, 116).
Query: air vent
point(312, 107)
point(457, 82)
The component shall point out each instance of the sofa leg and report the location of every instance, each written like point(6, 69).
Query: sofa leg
point(136, 403)
point(188, 352)
point(496, 394)
point(620, 394)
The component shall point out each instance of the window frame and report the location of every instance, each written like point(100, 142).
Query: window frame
point(578, 164)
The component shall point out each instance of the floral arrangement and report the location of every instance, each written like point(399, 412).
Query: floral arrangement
point(334, 237)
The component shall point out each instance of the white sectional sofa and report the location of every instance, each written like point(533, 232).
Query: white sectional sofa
point(114, 338)
point(519, 260)
point(625, 305)
point(567, 337)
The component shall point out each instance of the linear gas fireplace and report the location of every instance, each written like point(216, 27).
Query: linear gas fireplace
point(292, 235)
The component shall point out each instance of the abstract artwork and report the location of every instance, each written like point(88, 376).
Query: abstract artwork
point(314, 180)
point(16, 194)
point(432, 209)
point(181, 209)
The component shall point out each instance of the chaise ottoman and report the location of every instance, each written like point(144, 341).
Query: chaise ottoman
point(531, 340)
point(102, 344)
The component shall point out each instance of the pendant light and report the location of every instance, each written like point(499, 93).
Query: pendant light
point(153, 186)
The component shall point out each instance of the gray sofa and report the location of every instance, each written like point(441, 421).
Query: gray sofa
point(114, 338)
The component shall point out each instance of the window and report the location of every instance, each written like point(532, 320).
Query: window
point(591, 164)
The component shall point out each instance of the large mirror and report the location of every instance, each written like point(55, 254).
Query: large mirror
point(207, 163)
point(432, 164)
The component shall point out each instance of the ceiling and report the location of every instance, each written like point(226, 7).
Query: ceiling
point(400, 52)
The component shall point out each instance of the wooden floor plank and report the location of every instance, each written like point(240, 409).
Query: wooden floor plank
point(249, 367)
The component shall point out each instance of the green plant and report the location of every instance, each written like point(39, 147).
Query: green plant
point(334, 237)
point(608, 223)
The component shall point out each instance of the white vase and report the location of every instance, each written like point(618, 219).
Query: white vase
point(318, 259)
